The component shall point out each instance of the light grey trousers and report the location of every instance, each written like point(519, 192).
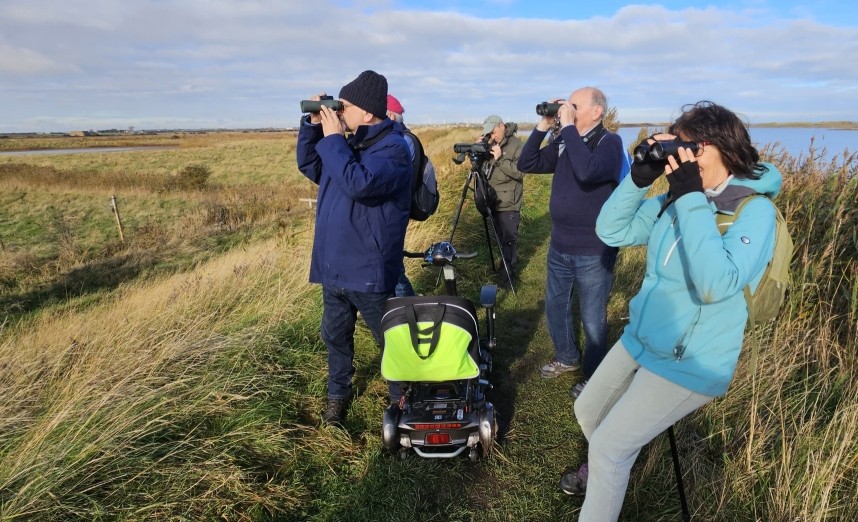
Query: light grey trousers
point(622, 408)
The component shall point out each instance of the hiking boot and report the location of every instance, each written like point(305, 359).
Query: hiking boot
point(335, 412)
point(575, 482)
point(555, 368)
point(578, 388)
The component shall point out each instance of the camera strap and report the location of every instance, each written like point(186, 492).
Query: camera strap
point(594, 136)
point(591, 139)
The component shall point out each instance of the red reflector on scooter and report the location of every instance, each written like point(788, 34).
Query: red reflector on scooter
point(437, 438)
point(438, 426)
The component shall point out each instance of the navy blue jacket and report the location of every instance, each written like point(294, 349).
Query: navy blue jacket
point(585, 174)
point(362, 206)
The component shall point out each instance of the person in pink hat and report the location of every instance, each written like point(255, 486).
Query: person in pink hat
point(425, 190)
point(394, 112)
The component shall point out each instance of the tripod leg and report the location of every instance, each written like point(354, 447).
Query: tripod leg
point(504, 264)
point(489, 241)
point(458, 214)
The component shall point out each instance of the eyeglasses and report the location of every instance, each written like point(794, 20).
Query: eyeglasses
point(700, 146)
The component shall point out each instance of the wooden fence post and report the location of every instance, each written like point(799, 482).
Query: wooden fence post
point(115, 208)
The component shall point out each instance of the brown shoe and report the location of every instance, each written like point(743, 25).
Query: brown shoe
point(335, 412)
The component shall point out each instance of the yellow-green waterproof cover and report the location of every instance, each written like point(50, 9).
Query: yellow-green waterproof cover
point(449, 362)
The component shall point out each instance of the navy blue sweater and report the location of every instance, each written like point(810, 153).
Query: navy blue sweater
point(585, 174)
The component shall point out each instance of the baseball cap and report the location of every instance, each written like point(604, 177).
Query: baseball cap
point(490, 123)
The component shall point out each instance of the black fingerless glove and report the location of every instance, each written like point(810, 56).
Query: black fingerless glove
point(645, 174)
point(685, 179)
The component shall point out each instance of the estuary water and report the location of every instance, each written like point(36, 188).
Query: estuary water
point(794, 140)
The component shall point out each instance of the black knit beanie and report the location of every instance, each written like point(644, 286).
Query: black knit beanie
point(369, 92)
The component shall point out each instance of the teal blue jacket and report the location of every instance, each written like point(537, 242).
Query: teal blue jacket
point(687, 322)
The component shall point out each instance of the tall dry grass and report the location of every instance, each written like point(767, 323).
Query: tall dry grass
point(131, 409)
point(186, 397)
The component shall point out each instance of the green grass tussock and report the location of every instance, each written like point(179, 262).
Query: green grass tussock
point(179, 374)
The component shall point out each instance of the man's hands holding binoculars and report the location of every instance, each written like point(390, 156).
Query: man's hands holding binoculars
point(327, 116)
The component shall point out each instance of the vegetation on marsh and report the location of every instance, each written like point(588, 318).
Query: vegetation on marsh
point(180, 375)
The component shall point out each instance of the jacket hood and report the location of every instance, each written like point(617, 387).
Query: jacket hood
point(769, 184)
point(511, 129)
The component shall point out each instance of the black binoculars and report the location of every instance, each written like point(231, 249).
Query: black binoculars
point(316, 105)
point(547, 108)
point(661, 150)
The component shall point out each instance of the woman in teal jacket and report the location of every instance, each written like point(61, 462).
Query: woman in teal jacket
point(680, 348)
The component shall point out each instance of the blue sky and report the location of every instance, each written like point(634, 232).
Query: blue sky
point(155, 64)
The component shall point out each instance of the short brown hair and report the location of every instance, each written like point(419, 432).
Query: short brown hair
point(710, 122)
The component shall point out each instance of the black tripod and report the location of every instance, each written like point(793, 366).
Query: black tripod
point(478, 177)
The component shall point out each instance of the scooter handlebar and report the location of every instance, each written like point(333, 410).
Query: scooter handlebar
point(438, 252)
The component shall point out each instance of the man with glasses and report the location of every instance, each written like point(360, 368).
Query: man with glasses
point(587, 161)
point(362, 212)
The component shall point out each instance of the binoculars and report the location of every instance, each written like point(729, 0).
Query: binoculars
point(661, 150)
point(316, 105)
point(547, 108)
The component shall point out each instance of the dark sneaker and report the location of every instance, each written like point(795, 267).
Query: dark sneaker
point(575, 482)
point(555, 368)
point(578, 388)
point(335, 413)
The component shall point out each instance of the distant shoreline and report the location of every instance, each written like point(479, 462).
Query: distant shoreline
point(834, 125)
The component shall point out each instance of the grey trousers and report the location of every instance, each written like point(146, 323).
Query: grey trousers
point(622, 408)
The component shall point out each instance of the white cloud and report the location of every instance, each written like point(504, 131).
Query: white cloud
point(250, 62)
point(27, 62)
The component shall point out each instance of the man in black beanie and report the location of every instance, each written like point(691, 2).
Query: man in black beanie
point(362, 212)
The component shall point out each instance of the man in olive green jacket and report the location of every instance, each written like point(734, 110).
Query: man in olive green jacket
point(507, 182)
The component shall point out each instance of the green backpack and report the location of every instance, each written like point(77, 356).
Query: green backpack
point(765, 303)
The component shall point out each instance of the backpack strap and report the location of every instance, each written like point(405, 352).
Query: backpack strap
point(724, 221)
point(417, 163)
point(372, 141)
point(434, 329)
